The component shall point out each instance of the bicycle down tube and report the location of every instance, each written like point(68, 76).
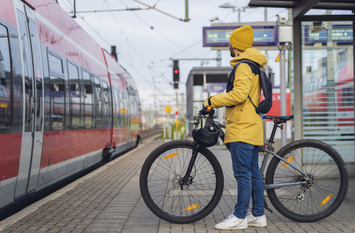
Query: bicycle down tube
point(182, 181)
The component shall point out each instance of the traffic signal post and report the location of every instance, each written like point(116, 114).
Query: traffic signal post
point(176, 70)
point(176, 74)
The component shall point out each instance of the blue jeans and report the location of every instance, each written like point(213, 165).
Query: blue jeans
point(250, 183)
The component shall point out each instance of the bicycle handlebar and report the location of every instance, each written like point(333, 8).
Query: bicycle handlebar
point(209, 115)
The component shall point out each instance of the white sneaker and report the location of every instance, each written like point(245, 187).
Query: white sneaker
point(232, 222)
point(256, 221)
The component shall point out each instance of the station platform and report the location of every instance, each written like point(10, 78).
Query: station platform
point(108, 200)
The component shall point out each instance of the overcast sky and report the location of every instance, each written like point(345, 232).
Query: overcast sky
point(147, 39)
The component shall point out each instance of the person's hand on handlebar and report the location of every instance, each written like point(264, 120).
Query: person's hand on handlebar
point(206, 108)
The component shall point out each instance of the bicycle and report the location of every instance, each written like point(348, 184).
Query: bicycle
point(182, 182)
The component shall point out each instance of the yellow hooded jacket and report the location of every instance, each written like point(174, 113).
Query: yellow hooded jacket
point(243, 124)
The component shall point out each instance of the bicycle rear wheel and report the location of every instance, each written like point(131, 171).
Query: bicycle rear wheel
point(166, 197)
point(321, 195)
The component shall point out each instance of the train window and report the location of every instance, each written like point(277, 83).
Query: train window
point(120, 109)
point(88, 100)
point(106, 105)
point(5, 79)
point(136, 104)
point(57, 102)
point(74, 93)
point(98, 103)
point(124, 110)
point(55, 64)
point(57, 89)
point(132, 106)
point(116, 107)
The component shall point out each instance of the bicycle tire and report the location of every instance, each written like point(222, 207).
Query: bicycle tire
point(313, 201)
point(160, 188)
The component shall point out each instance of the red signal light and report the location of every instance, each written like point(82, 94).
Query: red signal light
point(176, 74)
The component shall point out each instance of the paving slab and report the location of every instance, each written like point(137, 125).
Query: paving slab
point(109, 200)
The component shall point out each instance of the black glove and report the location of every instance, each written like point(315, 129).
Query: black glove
point(205, 110)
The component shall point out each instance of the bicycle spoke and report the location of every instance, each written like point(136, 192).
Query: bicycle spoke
point(173, 196)
point(311, 200)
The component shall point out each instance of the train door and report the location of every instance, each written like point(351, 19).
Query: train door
point(32, 134)
point(129, 115)
point(125, 118)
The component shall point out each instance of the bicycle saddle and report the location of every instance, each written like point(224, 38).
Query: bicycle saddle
point(280, 119)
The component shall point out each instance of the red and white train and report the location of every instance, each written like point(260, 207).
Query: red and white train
point(329, 109)
point(65, 103)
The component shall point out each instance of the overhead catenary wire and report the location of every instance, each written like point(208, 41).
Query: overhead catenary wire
point(165, 37)
point(104, 40)
point(131, 47)
point(163, 12)
point(132, 52)
point(154, 29)
point(144, 61)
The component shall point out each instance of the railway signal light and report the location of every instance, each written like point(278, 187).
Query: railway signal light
point(176, 74)
point(113, 52)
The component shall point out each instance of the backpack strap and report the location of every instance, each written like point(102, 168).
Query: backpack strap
point(249, 62)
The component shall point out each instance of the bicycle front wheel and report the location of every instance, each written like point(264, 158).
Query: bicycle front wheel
point(317, 197)
point(167, 197)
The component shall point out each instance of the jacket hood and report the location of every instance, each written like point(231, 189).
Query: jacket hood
point(252, 54)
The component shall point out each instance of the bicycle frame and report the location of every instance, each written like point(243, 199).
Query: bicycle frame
point(264, 162)
point(186, 188)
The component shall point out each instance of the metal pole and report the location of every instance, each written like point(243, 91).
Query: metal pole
point(283, 97)
point(74, 16)
point(267, 72)
point(176, 100)
point(238, 15)
point(186, 11)
point(219, 58)
point(266, 52)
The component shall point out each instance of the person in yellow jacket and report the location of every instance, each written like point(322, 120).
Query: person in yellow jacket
point(244, 129)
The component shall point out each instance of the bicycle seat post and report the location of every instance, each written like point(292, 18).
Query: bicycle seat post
point(278, 121)
point(272, 136)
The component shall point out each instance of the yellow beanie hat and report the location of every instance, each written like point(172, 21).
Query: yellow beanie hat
point(242, 38)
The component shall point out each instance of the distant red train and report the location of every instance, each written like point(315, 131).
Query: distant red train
point(65, 103)
point(328, 104)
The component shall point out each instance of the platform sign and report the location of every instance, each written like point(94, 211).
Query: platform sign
point(215, 87)
point(218, 36)
point(341, 34)
point(168, 109)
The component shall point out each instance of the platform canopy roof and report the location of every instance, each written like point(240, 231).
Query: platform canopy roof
point(301, 7)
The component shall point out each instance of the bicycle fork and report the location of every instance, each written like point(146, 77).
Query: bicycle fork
point(187, 179)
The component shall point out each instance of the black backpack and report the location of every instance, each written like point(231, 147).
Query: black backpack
point(266, 84)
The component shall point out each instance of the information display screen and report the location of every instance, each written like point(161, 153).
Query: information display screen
point(218, 36)
point(341, 34)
